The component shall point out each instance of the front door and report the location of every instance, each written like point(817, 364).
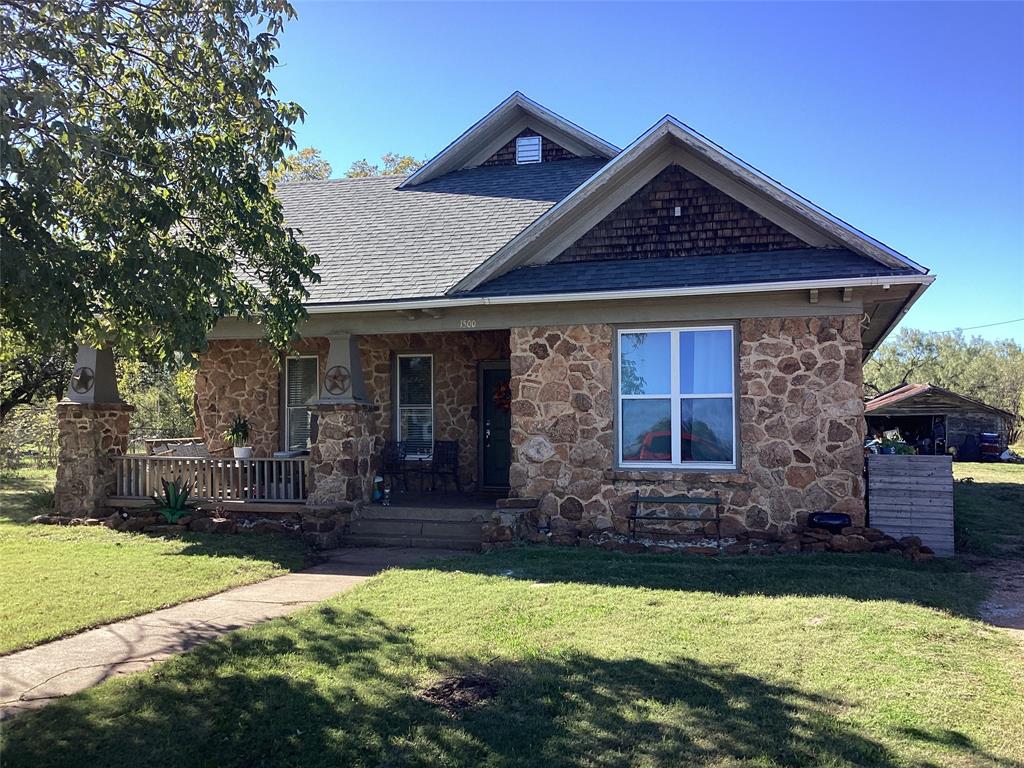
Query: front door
point(495, 424)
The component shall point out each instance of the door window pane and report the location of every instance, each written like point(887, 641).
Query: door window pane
point(706, 429)
point(645, 364)
point(705, 362)
point(647, 430)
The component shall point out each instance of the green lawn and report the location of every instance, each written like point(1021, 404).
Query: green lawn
point(990, 509)
point(591, 659)
point(59, 580)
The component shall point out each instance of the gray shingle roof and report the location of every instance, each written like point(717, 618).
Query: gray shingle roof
point(378, 243)
point(683, 272)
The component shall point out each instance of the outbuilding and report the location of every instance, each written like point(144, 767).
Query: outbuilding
point(934, 419)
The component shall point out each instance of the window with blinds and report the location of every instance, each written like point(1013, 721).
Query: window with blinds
point(415, 404)
point(300, 386)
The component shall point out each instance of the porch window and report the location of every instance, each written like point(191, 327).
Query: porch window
point(415, 404)
point(301, 385)
point(677, 398)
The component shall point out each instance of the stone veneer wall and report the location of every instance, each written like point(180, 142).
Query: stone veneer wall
point(801, 429)
point(243, 376)
point(456, 355)
point(87, 435)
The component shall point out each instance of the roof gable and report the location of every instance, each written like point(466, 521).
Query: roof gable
point(679, 214)
point(670, 142)
point(499, 127)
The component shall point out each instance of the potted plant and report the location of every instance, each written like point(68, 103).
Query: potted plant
point(237, 435)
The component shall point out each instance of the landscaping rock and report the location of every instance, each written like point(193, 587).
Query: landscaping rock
point(212, 525)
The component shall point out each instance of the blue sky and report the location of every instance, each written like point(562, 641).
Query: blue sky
point(906, 120)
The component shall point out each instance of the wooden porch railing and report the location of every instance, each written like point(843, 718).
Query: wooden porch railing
point(213, 479)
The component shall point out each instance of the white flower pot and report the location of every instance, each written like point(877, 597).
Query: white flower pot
point(242, 452)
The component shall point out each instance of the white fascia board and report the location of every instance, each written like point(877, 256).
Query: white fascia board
point(516, 100)
point(637, 293)
point(670, 126)
point(749, 171)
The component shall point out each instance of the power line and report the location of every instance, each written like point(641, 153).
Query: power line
point(988, 325)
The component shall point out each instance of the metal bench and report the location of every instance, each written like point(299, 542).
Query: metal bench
point(685, 501)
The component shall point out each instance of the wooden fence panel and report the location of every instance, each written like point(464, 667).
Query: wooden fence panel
point(913, 496)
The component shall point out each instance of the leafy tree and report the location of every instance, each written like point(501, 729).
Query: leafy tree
point(393, 165)
point(989, 371)
point(27, 377)
point(305, 165)
point(163, 397)
point(135, 141)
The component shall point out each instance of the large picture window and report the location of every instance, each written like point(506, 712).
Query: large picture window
point(677, 398)
point(415, 404)
point(300, 386)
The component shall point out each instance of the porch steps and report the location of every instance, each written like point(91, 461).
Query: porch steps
point(396, 526)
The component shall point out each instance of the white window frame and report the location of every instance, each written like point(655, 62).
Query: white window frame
point(287, 408)
point(531, 139)
point(675, 397)
point(398, 401)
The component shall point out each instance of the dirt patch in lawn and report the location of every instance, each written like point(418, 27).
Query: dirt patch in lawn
point(457, 693)
point(1004, 607)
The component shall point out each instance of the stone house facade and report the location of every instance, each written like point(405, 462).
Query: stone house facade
point(584, 322)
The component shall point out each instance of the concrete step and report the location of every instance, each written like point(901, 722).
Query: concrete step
point(440, 514)
point(426, 542)
point(437, 528)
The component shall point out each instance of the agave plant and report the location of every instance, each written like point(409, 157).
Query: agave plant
point(174, 505)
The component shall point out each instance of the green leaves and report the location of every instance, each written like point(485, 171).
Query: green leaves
point(135, 141)
point(174, 505)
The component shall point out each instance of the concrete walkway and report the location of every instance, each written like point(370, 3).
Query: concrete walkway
point(32, 678)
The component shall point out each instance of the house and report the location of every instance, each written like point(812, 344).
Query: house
point(938, 420)
point(583, 321)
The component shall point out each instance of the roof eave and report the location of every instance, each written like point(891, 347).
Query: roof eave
point(439, 302)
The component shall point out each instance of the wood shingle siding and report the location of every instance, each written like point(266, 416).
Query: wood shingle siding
point(913, 496)
point(710, 222)
point(549, 151)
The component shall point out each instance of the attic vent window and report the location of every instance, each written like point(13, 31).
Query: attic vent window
point(527, 149)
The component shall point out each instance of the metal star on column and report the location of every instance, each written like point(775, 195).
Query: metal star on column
point(83, 379)
point(338, 380)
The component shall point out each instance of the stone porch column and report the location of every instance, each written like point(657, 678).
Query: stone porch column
point(348, 440)
point(342, 460)
point(92, 425)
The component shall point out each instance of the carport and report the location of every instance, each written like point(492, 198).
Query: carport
point(934, 419)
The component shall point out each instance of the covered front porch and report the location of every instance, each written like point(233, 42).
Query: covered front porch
point(342, 419)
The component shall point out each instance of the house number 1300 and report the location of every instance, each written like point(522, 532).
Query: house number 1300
point(467, 323)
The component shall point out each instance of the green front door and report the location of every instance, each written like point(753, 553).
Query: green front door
point(495, 424)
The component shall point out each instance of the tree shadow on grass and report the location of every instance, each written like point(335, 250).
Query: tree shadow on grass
point(944, 584)
point(286, 552)
point(339, 687)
